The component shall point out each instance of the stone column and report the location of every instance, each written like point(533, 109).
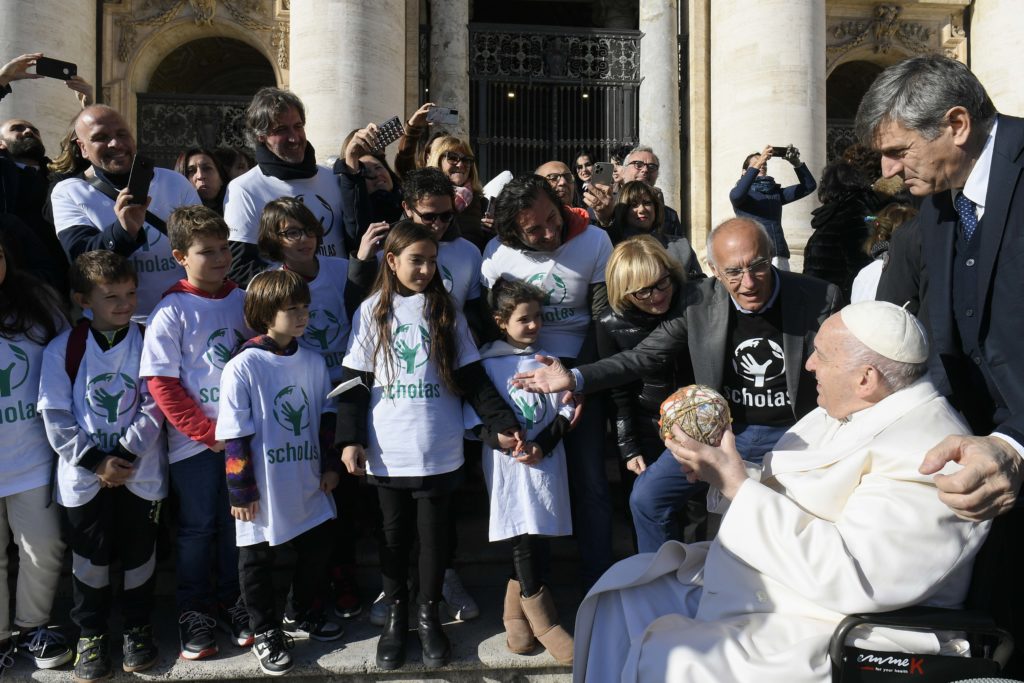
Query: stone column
point(348, 65)
point(997, 31)
point(60, 30)
point(767, 88)
point(659, 92)
point(449, 60)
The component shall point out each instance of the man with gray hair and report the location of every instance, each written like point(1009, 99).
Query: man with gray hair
point(938, 130)
point(838, 520)
point(640, 164)
point(285, 167)
point(747, 332)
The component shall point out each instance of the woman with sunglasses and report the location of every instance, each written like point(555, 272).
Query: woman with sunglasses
point(644, 284)
point(640, 211)
point(455, 158)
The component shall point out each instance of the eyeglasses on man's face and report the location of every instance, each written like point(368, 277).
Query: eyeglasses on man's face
point(431, 217)
point(756, 268)
point(641, 165)
point(296, 234)
point(553, 178)
point(647, 292)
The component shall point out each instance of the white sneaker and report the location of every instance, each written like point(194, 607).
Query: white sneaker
point(379, 611)
point(461, 605)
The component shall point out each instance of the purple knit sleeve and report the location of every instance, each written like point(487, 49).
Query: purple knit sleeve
point(240, 475)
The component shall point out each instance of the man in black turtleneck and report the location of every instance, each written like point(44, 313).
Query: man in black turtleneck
point(93, 210)
point(285, 167)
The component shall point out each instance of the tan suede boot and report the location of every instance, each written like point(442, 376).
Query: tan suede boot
point(540, 612)
point(518, 636)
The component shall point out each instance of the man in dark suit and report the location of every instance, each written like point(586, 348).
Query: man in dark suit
point(938, 130)
point(748, 332)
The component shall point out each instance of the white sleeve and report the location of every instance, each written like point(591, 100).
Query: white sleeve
point(66, 211)
point(146, 426)
point(474, 279)
point(161, 347)
point(359, 355)
point(489, 270)
point(604, 252)
point(55, 405)
point(234, 411)
point(468, 352)
point(240, 214)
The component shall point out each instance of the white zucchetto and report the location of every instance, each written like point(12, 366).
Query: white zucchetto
point(888, 330)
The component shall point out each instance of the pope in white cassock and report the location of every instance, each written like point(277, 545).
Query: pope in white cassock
point(837, 521)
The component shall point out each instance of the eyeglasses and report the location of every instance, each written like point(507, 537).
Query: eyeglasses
point(553, 178)
point(641, 165)
point(580, 167)
point(456, 158)
point(661, 285)
point(430, 217)
point(756, 268)
point(296, 234)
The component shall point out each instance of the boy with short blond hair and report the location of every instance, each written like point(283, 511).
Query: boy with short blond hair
point(112, 465)
point(191, 335)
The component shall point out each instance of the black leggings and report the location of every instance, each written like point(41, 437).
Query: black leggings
point(397, 508)
point(526, 563)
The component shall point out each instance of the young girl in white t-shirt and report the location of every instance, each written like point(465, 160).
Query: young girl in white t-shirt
point(291, 236)
point(30, 316)
point(411, 348)
point(528, 484)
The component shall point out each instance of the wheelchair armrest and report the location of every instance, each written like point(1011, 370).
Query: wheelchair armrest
point(926, 619)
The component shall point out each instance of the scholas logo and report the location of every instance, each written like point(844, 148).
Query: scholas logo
point(111, 395)
point(221, 345)
point(14, 367)
point(152, 236)
point(412, 346)
point(322, 329)
point(555, 290)
point(447, 279)
point(291, 409)
point(531, 407)
point(321, 208)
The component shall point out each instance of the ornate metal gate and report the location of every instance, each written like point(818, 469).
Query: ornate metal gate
point(168, 124)
point(539, 94)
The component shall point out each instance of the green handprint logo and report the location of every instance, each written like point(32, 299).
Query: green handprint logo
point(15, 373)
point(105, 400)
point(289, 412)
point(447, 280)
point(322, 329)
point(553, 295)
point(219, 347)
point(530, 406)
point(411, 343)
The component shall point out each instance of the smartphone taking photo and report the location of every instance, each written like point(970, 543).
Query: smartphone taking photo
point(55, 68)
point(139, 179)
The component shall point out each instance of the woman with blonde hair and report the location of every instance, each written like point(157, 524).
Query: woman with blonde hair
point(455, 158)
point(645, 284)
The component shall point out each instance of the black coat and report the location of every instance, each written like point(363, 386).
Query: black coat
point(835, 251)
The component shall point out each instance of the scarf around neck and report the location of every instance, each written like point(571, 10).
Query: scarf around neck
point(272, 165)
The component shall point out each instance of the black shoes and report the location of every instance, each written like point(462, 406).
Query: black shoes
point(47, 648)
point(271, 650)
point(433, 641)
point(195, 633)
point(92, 660)
point(139, 649)
point(391, 646)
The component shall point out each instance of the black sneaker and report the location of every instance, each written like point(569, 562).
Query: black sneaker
point(6, 655)
point(44, 646)
point(139, 649)
point(234, 621)
point(315, 627)
point(92, 662)
point(195, 632)
point(271, 650)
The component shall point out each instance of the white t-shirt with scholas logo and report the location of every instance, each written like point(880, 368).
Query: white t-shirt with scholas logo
point(278, 401)
point(459, 264)
point(192, 338)
point(329, 326)
point(565, 275)
point(415, 422)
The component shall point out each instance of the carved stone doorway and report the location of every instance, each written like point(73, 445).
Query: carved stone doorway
point(843, 92)
point(198, 95)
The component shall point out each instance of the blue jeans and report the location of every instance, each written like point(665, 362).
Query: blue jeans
point(662, 490)
point(588, 486)
point(206, 533)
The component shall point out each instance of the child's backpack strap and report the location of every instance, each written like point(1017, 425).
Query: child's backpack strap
point(76, 348)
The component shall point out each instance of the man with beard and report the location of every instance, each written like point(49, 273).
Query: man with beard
point(93, 210)
point(285, 167)
point(758, 196)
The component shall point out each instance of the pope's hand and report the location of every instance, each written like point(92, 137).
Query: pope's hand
point(721, 466)
point(989, 482)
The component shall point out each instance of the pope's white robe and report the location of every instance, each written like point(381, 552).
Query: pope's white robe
point(839, 522)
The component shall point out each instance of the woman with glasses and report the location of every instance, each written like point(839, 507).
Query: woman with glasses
point(455, 158)
point(644, 284)
point(640, 211)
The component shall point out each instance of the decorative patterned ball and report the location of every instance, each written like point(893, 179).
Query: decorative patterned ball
point(700, 412)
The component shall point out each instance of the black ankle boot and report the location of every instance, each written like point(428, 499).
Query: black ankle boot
point(434, 643)
point(391, 646)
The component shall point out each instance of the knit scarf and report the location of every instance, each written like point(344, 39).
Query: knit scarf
point(272, 165)
point(766, 185)
point(463, 197)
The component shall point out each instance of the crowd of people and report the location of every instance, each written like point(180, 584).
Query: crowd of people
point(260, 334)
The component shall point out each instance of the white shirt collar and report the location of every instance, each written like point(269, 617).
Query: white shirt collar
point(977, 182)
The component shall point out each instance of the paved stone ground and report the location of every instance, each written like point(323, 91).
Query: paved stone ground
point(479, 653)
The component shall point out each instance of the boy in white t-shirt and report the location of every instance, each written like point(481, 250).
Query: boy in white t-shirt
point(112, 469)
point(281, 465)
point(190, 336)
